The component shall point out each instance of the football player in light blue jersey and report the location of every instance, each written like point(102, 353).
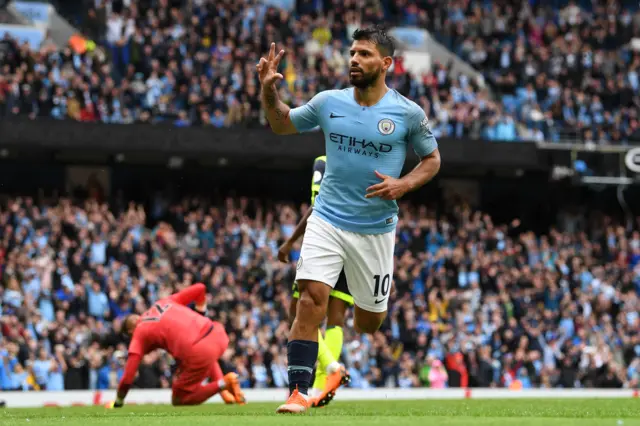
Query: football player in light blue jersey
point(368, 129)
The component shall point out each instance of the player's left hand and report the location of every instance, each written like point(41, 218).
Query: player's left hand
point(389, 189)
point(283, 252)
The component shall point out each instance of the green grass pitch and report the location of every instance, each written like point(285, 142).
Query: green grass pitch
point(520, 412)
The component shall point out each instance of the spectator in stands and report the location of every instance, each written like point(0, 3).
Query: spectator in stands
point(437, 375)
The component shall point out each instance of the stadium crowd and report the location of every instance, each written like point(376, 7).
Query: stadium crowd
point(557, 70)
point(473, 303)
point(564, 69)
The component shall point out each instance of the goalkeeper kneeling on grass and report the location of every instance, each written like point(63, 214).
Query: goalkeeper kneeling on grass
point(196, 342)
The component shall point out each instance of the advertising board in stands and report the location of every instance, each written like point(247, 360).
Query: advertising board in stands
point(30, 34)
point(36, 12)
point(410, 37)
point(281, 4)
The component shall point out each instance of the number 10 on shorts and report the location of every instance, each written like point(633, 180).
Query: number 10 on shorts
point(386, 284)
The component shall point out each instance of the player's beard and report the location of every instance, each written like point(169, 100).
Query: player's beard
point(364, 80)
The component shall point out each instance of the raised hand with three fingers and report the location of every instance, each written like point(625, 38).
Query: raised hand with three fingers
point(268, 67)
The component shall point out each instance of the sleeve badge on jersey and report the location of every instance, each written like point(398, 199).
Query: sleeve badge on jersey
point(424, 124)
point(317, 177)
point(299, 264)
point(386, 126)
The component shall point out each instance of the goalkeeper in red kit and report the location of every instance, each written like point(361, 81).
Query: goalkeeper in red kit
point(194, 341)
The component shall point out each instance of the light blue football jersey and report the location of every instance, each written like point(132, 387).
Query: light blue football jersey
point(360, 140)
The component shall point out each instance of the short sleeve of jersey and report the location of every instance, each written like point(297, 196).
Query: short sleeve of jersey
point(420, 135)
point(307, 116)
point(319, 166)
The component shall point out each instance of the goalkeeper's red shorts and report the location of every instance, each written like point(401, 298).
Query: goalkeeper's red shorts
point(202, 361)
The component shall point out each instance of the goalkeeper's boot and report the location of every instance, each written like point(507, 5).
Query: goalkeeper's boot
point(227, 397)
point(233, 386)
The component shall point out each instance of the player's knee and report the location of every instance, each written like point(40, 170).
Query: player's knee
point(309, 308)
point(310, 315)
point(312, 305)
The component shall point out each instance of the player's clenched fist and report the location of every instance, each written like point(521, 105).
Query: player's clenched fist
point(389, 189)
point(268, 67)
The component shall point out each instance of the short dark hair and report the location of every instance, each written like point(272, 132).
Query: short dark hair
point(377, 35)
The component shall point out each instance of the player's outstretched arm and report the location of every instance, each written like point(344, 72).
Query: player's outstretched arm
point(195, 293)
point(129, 375)
point(277, 112)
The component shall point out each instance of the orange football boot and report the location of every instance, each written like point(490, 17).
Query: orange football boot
point(233, 386)
point(227, 397)
point(336, 379)
point(296, 403)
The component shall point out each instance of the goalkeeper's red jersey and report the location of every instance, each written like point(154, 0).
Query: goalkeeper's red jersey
point(170, 325)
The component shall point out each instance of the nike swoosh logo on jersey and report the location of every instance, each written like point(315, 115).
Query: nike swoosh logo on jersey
point(379, 301)
point(335, 116)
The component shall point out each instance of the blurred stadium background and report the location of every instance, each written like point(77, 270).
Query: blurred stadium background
point(134, 160)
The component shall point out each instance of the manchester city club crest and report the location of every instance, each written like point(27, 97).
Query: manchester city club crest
point(386, 126)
